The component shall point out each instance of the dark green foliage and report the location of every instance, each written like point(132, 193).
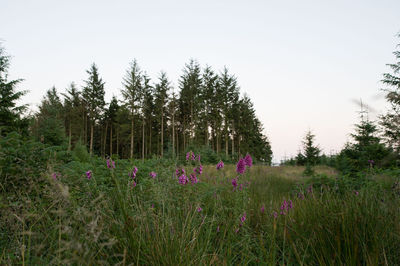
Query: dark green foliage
point(366, 152)
point(49, 127)
point(10, 114)
point(22, 162)
point(390, 122)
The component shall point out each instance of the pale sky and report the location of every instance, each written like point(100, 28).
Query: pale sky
point(301, 62)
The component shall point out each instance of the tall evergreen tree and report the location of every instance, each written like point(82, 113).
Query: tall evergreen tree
point(189, 105)
point(161, 100)
point(391, 120)
point(93, 93)
point(50, 119)
point(73, 110)
point(111, 116)
point(10, 114)
point(132, 92)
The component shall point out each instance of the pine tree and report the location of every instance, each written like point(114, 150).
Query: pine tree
point(93, 93)
point(366, 148)
point(391, 120)
point(111, 116)
point(190, 85)
point(133, 86)
point(50, 119)
point(311, 152)
point(10, 113)
point(161, 101)
point(73, 109)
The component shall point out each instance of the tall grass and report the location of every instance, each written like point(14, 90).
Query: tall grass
point(105, 220)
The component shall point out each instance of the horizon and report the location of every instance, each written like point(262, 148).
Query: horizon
point(323, 71)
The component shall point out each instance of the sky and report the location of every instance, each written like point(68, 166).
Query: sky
point(304, 63)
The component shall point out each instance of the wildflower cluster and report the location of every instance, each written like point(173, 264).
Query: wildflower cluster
point(55, 175)
point(286, 206)
point(110, 164)
point(220, 165)
point(183, 180)
point(89, 174)
point(190, 156)
point(133, 173)
point(153, 174)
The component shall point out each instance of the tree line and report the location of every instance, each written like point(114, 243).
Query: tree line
point(150, 119)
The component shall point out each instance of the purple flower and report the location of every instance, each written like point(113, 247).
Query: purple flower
point(290, 205)
point(217, 228)
point(179, 171)
point(190, 156)
point(193, 178)
point(134, 172)
point(241, 166)
point(133, 184)
point(220, 165)
point(356, 192)
point(54, 176)
point(300, 196)
point(182, 179)
point(243, 218)
point(248, 160)
point(110, 164)
point(241, 187)
point(198, 169)
point(371, 161)
point(153, 174)
point(89, 174)
point(198, 157)
point(234, 183)
point(275, 214)
point(262, 209)
point(199, 209)
point(309, 189)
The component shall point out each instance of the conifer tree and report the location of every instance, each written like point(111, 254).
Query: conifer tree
point(111, 116)
point(161, 100)
point(50, 119)
point(10, 113)
point(133, 86)
point(190, 85)
point(93, 93)
point(391, 120)
point(311, 152)
point(73, 109)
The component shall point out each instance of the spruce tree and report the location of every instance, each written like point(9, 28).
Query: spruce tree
point(50, 119)
point(93, 93)
point(10, 114)
point(161, 100)
point(311, 152)
point(391, 120)
point(132, 92)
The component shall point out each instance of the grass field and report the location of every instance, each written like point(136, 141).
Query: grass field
point(275, 215)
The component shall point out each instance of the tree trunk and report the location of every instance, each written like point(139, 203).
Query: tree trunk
point(105, 140)
point(162, 134)
point(91, 137)
point(69, 136)
point(143, 142)
point(226, 143)
point(233, 140)
point(131, 138)
point(111, 144)
point(118, 141)
point(207, 133)
point(173, 135)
